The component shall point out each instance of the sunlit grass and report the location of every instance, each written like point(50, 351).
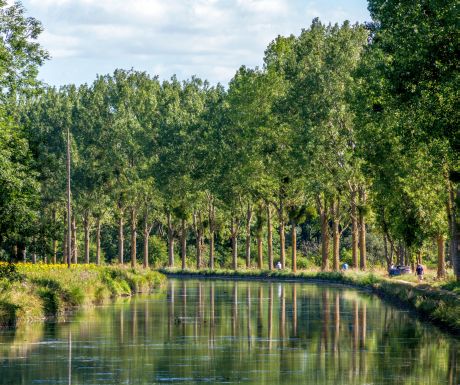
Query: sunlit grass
point(39, 291)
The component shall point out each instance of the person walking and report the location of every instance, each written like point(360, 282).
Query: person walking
point(419, 271)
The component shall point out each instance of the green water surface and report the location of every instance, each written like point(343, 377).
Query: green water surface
point(227, 332)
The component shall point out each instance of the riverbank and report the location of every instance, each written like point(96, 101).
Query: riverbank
point(439, 306)
point(40, 291)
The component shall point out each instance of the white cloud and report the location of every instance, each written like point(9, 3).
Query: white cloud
point(210, 38)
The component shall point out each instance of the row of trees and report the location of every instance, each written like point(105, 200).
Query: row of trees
point(347, 131)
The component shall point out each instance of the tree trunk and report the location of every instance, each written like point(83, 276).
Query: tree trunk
point(335, 235)
point(183, 242)
point(15, 253)
point(234, 243)
point(121, 239)
point(55, 249)
point(362, 230)
point(211, 250)
point(170, 241)
point(197, 222)
point(98, 241)
point(388, 256)
point(34, 257)
point(133, 237)
point(400, 254)
point(259, 251)
point(211, 235)
point(69, 203)
point(147, 229)
point(456, 233)
point(441, 257)
point(24, 254)
point(86, 229)
point(269, 238)
point(146, 249)
point(54, 241)
point(324, 236)
point(199, 249)
point(294, 246)
point(64, 241)
point(248, 236)
point(354, 229)
point(74, 241)
point(281, 232)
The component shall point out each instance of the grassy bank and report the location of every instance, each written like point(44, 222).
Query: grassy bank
point(436, 304)
point(33, 292)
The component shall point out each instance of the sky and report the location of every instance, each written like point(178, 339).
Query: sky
point(207, 38)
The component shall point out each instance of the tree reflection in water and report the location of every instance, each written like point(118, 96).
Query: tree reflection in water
point(210, 331)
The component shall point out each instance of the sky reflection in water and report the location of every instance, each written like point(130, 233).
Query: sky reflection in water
point(234, 332)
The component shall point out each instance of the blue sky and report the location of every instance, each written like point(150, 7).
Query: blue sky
point(207, 38)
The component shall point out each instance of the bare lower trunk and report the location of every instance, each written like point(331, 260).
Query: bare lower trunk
point(211, 250)
point(269, 238)
point(248, 236)
point(281, 233)
point(400, 254)
point(121, 239)
point(259, 252)
point(388, 255)
point(55, 249)
point(335, 245)
point(335, 204)
point(183, 242)
point(354, 229)
point(74, 241)
point(197, 224)
point(456, 235)
point(212, 218)
point(34, 257)
point(199, 248)
point(86, 230)
point(170, 241)
point(234, 243)
point(146, 248)
point(98, 241)
point(64, 242)
point(324, 237)
point(24, 254)
point(147, 229)
point(133, 237)
point(362, 231)
point(54, 242)
point(441, 257)
point(294, 246)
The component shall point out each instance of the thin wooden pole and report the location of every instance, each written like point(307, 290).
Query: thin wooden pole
point(69, 212)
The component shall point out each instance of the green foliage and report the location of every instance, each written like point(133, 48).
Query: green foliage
point(10, 272)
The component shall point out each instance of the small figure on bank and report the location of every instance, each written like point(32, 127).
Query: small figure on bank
point(278, 265)
point(419, 271)
point(344, 266)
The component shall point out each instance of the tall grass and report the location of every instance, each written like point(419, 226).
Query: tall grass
point(40, 291)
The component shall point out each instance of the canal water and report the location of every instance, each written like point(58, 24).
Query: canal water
point(227, 332)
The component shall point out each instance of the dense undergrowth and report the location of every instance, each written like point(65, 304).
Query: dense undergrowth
point(440, 304)
point(30, 292)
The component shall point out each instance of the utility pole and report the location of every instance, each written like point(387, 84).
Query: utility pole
point(69, 212)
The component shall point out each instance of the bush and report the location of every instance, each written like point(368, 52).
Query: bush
point(10, 272)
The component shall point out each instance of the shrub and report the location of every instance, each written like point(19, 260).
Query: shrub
point(10, 272)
